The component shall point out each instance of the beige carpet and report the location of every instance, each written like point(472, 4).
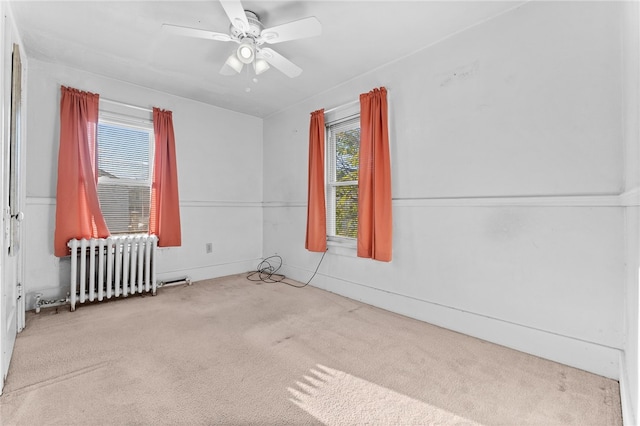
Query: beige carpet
point(229, 351)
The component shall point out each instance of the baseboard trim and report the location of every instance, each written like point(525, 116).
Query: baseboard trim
point(197, 273)
point(210, 271)
point(628, 414)
point(584, 355)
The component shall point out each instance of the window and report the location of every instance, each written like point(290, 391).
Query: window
point(125, 159)
point(343, 145)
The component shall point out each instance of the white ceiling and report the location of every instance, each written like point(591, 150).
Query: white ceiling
point(124, 40)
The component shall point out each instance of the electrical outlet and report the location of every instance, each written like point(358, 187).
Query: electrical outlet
point(209, 247)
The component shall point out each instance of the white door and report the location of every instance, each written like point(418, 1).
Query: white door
point(12, 308)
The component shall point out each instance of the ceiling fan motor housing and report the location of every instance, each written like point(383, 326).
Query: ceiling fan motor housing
point(255, 27)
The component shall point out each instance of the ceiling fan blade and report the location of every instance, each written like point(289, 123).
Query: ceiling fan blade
point(280, 62)
point(302, 28)
point(235, 12)
point(194, 32)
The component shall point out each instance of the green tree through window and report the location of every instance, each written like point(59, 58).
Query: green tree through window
point(344, 147)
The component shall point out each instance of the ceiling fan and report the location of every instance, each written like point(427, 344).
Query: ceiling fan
point(248, 32)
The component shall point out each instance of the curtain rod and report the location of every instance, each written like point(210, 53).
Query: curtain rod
point(109, 101)
point(348, 104)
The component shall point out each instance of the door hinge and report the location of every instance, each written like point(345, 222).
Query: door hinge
point(19, 291)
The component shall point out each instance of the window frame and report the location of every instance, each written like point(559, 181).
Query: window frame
point(331, 182)
point(127, 121)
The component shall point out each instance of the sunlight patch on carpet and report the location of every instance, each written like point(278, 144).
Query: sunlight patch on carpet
point(335, 398)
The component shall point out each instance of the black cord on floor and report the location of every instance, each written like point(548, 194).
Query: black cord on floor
point(266, 272)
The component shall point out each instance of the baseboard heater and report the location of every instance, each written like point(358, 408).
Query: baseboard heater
point(117, 266)
point(175, 281)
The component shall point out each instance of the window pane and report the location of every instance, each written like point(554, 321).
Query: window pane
point(347, 211)
point(343, 147)
point(125, 207)
point(347, 154)
point(123, 152)
point(124, 172)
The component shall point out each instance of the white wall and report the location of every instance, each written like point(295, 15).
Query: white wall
point(507, 167)
point(631, 200)
point(219, 171)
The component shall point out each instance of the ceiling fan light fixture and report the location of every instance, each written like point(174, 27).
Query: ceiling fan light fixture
point(260, 66)
point(233, 62)
point(250, 34)
point(246, 51)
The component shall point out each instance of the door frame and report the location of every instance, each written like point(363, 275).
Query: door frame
point(12, 128)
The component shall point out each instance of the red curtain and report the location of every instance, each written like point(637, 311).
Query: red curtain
point(78, 212)
point(316, 239)
point(374, 179)
point(164, 217)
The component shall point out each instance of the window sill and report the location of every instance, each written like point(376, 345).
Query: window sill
point(342, 246)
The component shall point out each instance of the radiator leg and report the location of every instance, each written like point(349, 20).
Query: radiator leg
point(73, 245)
